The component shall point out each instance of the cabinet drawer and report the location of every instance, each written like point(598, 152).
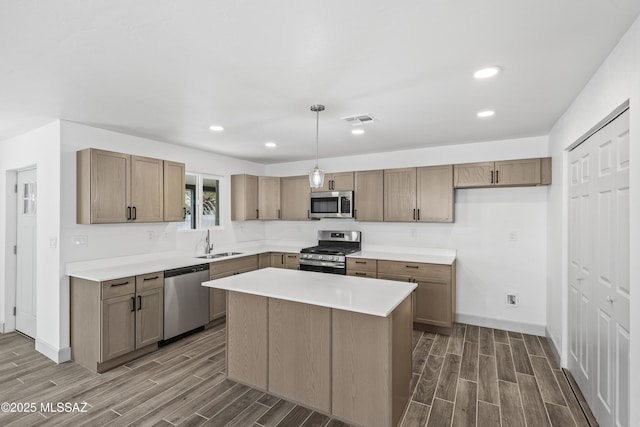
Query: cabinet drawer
point(118, 287)
point(362, 264)
point(292, 261)
point(231, 265)
point(370, 274)
point(149, 281)
point(415, 269)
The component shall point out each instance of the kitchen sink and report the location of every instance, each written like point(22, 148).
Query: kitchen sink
point(219, 255)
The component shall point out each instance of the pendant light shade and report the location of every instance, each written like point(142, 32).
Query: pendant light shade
point(316, 175)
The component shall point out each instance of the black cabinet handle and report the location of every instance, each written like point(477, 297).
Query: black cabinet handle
point(133, 304)
point(139, 302)
point(491, 177)
point(355, 214)
point(414, 214)
point(411, 266)
point(357, 273)
point(119, 284)
point(497, 176)
point(278, 213)
point(418, 215)
point(308, 214)
point(128, 213)
point(282, 258)
point(257, 213)
point(360, 262)
point(134, 213)
point(150, 278)
point(184, 213)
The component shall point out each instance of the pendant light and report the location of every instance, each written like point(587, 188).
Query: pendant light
point(316, 175)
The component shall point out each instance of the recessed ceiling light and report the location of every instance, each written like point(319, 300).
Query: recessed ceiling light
point(357, 131)
point(486, 73)
point(486, 113)
point(216, 128)
point(270, 144)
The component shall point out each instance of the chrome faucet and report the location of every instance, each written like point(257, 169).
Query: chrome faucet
point(208, 246)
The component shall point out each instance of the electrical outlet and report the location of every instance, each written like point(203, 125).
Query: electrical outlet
point(53, 242)
point(513, 236)
point(511, 300)
point(80, 241)
point(151, 235)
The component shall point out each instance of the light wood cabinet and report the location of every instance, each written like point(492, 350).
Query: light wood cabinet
point(434, 300)
point(292, 261)
point(277, 259)
point(115, 187)
point(115, 321)
point(294, 200)
point(254, 197)
point(226, 268)
point(244, 197)
point(508, 173)
point(264, 260)
point(342, 181)
point(435, 198)
point(400, 194)
point(268, 197)
point(369, 196)
point(174, 188)
point(362, 267)
point(419, 194)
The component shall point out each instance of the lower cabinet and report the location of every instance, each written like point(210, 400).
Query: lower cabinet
point(115, 321)
point(288, 260)
point(362, 267)
point(434, 300)
point(220, 269)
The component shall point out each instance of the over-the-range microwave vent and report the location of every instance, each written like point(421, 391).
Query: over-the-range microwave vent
point(360, 119)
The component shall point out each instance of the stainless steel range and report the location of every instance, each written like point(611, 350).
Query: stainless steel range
point(330, 254)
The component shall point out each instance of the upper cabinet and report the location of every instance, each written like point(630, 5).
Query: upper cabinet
point(268, 197)
point(342, 181)
point(116, 187)
point(254, 197)
point(174, 185)
point(509, 173)
point(294, 200)
point(244, 197)
point(418, 194)
point(369, 197)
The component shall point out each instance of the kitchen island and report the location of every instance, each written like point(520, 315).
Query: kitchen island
point(338, 344)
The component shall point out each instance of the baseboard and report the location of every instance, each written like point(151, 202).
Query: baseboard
point(552, 344)
point(508, 325)
point(57, 355)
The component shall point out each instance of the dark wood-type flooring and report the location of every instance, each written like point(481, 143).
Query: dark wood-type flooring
point(478, 376)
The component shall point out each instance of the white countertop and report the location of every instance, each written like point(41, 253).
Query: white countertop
point(446, 257)
point(358, 294)
point(116, 268)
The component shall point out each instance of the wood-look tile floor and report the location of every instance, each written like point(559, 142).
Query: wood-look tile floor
point(478, 376)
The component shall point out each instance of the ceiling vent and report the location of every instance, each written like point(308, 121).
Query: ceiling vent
point(359, 119)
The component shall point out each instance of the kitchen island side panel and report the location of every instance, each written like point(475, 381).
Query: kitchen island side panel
point(247, 338)
point(401, 359)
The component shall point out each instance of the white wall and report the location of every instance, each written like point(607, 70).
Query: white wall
point(617, 80)
point(114, 240)
point(40, 148)
point(489, 264)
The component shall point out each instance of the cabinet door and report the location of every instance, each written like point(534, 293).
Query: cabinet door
point(292, 261)
point(149, 317)
point(277, 259)
point(518, 172)
point(147, 179)
point(342, 181)
point(435, 194)
point(264, 260)
point(432, 303)
point(473, 175)
point(118, 326)
point(244, 197)
point(400, 194)
point(268, 197)
point(218, 298)
point(110, 186)
point(368, 196)
point(294, 202)
point(174, 187)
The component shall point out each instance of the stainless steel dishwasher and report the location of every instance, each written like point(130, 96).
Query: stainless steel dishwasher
point(186, 301)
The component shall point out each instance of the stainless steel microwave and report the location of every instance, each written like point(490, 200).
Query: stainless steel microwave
point(331, 204)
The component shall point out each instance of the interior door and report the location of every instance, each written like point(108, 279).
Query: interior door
point(599, 271)
point(26, 253)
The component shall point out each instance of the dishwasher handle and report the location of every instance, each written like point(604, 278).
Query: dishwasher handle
point(186, 270)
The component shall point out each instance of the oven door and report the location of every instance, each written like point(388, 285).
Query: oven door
point(323, 267)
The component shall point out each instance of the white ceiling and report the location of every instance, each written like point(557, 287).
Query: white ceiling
point(168, 69)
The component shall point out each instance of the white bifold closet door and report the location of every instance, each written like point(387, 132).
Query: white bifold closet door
point(598, 270)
